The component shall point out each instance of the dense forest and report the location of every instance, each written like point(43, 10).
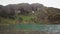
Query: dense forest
point(25, 13)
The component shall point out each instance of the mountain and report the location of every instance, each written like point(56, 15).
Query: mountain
point(37, 13)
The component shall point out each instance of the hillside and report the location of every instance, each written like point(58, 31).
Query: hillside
point(25, 13)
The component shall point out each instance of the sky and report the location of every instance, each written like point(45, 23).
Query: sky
point(48, 3)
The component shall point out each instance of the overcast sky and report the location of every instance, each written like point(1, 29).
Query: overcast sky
point(49, 3)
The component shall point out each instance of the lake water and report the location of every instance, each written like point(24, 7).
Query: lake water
point(48, 28)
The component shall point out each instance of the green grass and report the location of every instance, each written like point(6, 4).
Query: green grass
point(24, 19)
point(27, 17)
point(7, 21)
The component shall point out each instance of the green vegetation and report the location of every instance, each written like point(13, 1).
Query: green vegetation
point(17, 20)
